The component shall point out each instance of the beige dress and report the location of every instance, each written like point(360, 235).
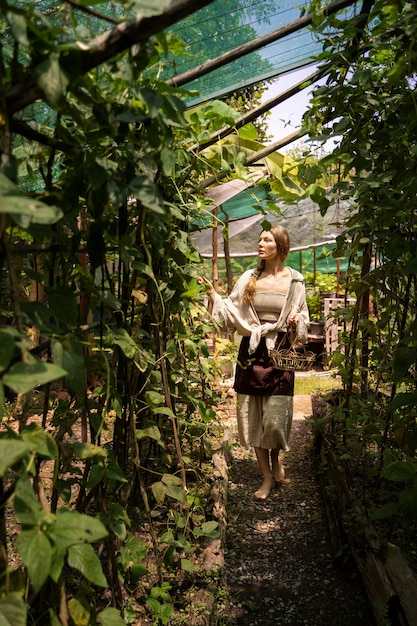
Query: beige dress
point(265, 412)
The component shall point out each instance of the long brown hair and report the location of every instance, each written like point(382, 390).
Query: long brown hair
point(282, 239)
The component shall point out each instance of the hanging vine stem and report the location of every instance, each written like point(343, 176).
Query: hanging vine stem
point(401, 328)
point(138, 464)
point(168, 400)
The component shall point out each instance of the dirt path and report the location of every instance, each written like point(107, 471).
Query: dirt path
point(278, 569)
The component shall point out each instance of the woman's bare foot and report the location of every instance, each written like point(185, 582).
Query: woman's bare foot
point(278, 471)
point(265, 489)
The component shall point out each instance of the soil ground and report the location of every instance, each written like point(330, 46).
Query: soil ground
point(278, 564)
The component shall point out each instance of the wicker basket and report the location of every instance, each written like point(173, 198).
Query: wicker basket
point(291, 360)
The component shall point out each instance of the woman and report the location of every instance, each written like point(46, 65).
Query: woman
point(264, 304)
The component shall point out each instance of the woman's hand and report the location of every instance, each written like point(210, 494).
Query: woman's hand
point(292, 320)
point(202, 280)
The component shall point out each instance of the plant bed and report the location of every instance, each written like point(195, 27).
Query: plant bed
point(389, 580)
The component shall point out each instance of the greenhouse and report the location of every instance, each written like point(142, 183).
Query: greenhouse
point(146, 208)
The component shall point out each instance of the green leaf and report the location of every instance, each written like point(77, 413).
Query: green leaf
point(170, 479)
point(74, 364)
point(175, 492)
point(386, 511)
point(209, 527)
point(163, 410)
point(83, 558)
point(64, 305)
point(35, 550)
point(79, 611)
point(188, 566)
point(18, 26)
point(95, 475)
point(116, 518)
point(23, 377)
point(144, 359)
point(132, 552)
point(39, 315)
point(402, 399)
point(168, 160)
point(28, 510)
point(248, 131)
point(25, 211)
point(125, 342)
point(154, 398)
point(12, 610)
point(110, 617)
point(57, 563)
point(151, 431)
point(86, 450)
point(8, 345)
point(40, 441)
point(72, 528)
point(159, 491)
point(11, 450)
point(52, 79)
point(147, 8)
point(114, 471)
point(146, 191)
point(400, 471)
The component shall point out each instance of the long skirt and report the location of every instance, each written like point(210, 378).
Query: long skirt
point(264, 399)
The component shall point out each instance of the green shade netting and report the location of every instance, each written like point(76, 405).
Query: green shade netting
point(325, 261)
point(246, 203)
point(226, 24)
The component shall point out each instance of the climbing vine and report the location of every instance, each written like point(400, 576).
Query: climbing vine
point(368, 105)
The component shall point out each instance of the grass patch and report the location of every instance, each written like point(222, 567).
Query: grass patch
point(305, 385)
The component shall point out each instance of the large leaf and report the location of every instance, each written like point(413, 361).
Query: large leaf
point(38, 315)
point(40, 441)
point(72, 361)
point(28, 509)
point(125, 342)
point(400, 471)
point(147, 8)
point(79, 611)
point(8, 344)
point(11, 450)
point(72, 528)
point(147, 192)
point(35, 550)
point(23, 377)
point(83, 558)
point(64, 305)
point(52, 79)
point(110, 617)
point(25, 211)
point(12, 610)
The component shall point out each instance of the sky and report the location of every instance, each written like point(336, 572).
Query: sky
point(286, 117)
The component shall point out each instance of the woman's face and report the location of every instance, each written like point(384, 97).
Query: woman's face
point(267, 246)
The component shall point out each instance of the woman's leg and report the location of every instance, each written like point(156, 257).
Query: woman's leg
point(268, 480)
point(278, 471)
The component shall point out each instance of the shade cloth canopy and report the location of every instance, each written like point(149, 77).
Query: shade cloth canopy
point(225, 25)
